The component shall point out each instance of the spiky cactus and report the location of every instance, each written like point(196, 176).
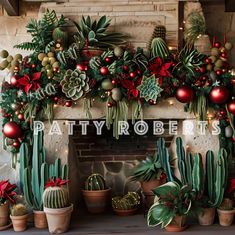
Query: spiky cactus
point(159, 48)
point(18, 210)
point(129, 201)
point(95, 182)
point(56, 197)
point(158, 32)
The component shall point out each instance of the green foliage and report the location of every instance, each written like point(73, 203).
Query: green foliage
point(148, 169)
point(129, 201)
point(56, 197)
point(197, 26)
point(42, 32)
point(75, 84)
point(159, 48)
point(94, 33)
point(173, 200)
point(149, 88)
point(95, 182)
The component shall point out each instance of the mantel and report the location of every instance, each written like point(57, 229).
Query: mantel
point(166, 109)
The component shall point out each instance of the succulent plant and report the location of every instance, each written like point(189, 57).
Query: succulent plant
point(56, 197)
point(75, 84)
point(129, 201)
point(19, 210)
point(149, 89)
point(159, 48)
point(94, 33)
point(158, 32)
point(95, 182)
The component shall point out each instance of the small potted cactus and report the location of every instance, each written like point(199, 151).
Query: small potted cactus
point(96, 194)
point(19, 217)
point(226, 212)
point(126, 205)
point(57, 206)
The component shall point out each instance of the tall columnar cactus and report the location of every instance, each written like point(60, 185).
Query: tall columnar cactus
point(95, 182)
point(34, 177)
point(56, 197)
point(24, 161)
point(197, 174)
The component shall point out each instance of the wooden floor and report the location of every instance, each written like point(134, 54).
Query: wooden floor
point(132, 225)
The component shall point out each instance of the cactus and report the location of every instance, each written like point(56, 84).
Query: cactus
point(24, 161)
point(197, 174)
point(159, 32)
point(129, 201)
point(56, 197)
point(95, 182)
point(159, 49)
point(19, 210)
point(34, 177)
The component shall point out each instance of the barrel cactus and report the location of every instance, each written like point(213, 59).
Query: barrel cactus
point(129, 201)
point(95, 182)
point(158, 32)
point(56, 195)
point(75, 84)
point(159, 48)
point(19, 210)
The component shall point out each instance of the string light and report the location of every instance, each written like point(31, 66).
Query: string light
point(171, 102)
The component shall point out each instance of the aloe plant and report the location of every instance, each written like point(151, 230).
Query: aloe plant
point(93, 33)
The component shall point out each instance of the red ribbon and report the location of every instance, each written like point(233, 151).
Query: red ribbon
point(131, 87)
point(30, 83)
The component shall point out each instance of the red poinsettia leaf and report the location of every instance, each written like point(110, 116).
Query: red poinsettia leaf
point(127, 84)
point(158, 61)
point(27, 88)
point(36, 76)
point(35, 86)
point(24, 80)
point(135, 92)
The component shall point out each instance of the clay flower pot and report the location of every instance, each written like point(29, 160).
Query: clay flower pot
point(125, 212)
point(97, 200)
point(225, 217)
point(207, 216)
point(58, 219)
point(40, 219)
point(147, 187)
point(177, 224)
point(4, 214)
point(19, 222)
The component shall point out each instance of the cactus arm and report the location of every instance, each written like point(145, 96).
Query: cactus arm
point(210, 175)
point(51, 171)
point(24, 161)
point(189, 166)
point(27, 187)
point(197, 174)
point(57, 167)
point(64, 172)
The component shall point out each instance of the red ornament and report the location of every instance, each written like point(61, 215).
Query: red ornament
point(222, 112)
point(208, 60)
point(110, 104)
point(197, 69)
point(233, 139)
point(81, 67)
point(104, 70)
point(14, 80)
point(16, 144)
point(132, 74)
point(55, 69)
point(55, 99)
point(68, 103)
point(224, 55)
point(114, 81)
point(202, 69)
point(204, 78)
point(184, 94)
point(12, 130)
point(107, 59)
point(231, 107)
point(21, 117)
point(125, 67)
point(163, 176)
point(219, 94)
point(217, 45)
point(219, 72)
point(152, 102)
point(33, 66)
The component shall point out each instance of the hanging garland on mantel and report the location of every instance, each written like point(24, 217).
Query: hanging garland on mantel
point(99, 64)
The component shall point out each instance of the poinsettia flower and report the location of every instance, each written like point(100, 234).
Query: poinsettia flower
point(58, 182)
point(160, 69)
point(30, 83)
point(131, 87)
point(231, 186)
point(7, 191)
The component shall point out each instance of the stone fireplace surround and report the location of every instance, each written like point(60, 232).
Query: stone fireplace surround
point(86, 154)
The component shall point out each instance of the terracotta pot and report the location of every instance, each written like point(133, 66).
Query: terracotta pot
point(125, 212)
point(177, 224)
point(4, 214)
point(88, 53)
point(147, 187)
point(40, 219)
point(207, 216)
point(58, 219)
point(225, 217)
point(19, 222)
point(96, 201)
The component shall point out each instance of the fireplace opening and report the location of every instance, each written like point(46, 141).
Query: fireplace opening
point(112, 158)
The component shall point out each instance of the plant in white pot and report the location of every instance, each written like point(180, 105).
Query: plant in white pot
point(6, 197)
point(57, 206)
point(19, 217)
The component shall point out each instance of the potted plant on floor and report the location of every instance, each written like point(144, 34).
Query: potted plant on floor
point(6, 197)
point(19, 217)
point(174, 203)
point(96, 194)
point(34, 175)
point(57, 206)
point(226, 212)
point(126, 205)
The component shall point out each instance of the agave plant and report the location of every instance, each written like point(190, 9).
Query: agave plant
point(148, 169)
point(7, 191)
point(173, 201)
point(94, 33)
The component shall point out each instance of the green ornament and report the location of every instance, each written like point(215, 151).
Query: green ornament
point(75, 84)
point(149, 88)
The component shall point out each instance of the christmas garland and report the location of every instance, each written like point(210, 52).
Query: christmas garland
point(93, 67)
